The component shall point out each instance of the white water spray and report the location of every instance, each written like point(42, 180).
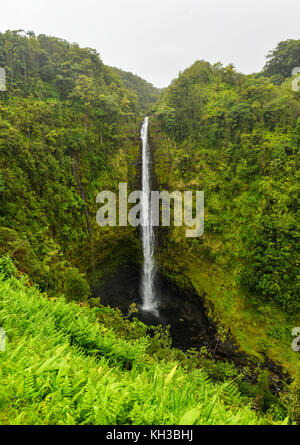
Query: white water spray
point(147, 287)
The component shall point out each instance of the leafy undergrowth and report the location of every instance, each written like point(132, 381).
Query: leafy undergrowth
point(62, 365)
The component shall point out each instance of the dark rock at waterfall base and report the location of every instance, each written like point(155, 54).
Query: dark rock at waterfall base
point(181, 310)
point(119, 289)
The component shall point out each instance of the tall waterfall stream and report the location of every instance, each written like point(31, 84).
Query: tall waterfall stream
point(150, 303)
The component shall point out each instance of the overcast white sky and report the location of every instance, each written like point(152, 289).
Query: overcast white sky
point(158, 38)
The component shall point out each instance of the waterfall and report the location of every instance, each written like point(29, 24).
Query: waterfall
point(148, 236)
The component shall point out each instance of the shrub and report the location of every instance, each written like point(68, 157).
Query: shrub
point(76, 287)
point(7, 267)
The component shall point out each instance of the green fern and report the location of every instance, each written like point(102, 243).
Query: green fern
point(62, 367)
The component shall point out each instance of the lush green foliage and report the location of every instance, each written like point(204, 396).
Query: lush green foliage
point(69, 128)
point(147, 94)
point(62, 367)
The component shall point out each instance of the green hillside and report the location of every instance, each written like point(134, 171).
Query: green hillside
point(68, 130)
point(147, 94)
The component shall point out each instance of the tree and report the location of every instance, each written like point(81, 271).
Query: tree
point(282, 60)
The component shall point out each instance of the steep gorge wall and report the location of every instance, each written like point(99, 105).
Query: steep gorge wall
point(207, 269)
